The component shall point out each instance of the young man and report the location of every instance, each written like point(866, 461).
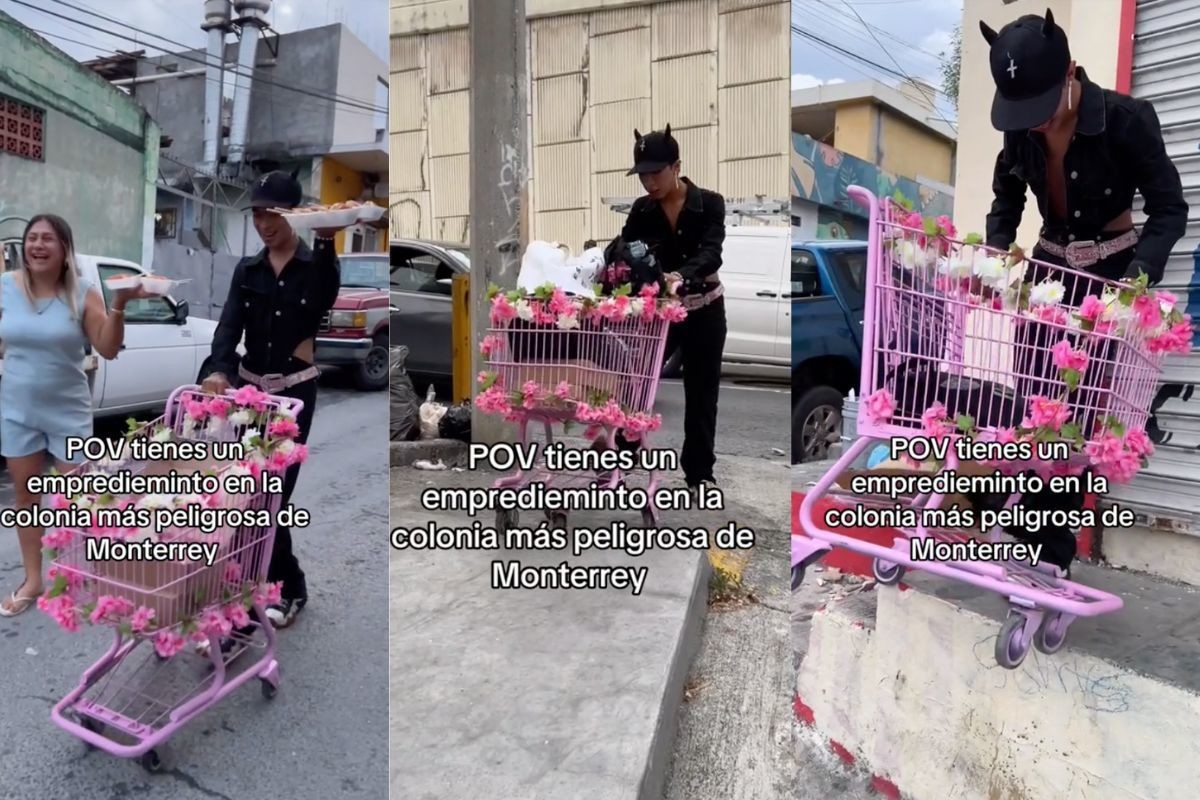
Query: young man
point(684, 226)
point(1083, 151)
point(277, 299)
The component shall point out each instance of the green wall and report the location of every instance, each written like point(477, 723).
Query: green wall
point(101, 151)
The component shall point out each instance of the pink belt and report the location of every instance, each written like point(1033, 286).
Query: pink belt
point(277, 381)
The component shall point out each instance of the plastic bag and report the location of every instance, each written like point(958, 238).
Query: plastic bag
point(404, 403)
point(456, 423)
point(546, 262)
point(431, 415)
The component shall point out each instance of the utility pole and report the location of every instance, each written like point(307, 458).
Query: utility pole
point(499, 99)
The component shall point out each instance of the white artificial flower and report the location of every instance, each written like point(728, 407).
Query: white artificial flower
point(568, 322)
point(1114, 309)
point(285, 446)
point(157, 501)
point(217, 426)
point(248, 438)
point(909, 254)
point(960, 265)
point(241, 417)
point(143, 535)
point(189, 428)
point(163, 434)
point(636, 307)
point(1047, 293)
point(524, 310)
point(991, 271)
point(237, 470)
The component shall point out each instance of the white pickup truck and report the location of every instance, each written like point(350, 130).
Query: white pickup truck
point(164, 347)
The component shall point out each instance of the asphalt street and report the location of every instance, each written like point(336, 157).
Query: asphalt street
point(324, 734)
point(752, 418)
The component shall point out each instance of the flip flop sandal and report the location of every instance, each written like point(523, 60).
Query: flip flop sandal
point(17, 605)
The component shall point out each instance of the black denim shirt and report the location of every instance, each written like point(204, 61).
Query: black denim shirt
point(276, 313)
point(1117, 149)
point(693, 247)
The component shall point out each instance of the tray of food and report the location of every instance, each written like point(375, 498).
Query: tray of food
point(337, 215)
point(154, 284)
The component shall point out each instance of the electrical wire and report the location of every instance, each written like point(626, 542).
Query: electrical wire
point(336, 99)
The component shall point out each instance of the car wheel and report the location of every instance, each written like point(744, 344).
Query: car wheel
point(372, 373)
point(816, 424)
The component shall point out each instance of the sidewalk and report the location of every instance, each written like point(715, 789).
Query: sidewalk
point(548, 693)
point(904, 682)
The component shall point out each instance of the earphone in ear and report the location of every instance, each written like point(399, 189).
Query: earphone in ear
point(1070, 93)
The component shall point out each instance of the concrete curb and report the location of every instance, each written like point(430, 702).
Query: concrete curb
point(662, 745)
point(901, 683)
point(451, 452)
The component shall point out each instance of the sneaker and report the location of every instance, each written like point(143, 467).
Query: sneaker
point(284, 613)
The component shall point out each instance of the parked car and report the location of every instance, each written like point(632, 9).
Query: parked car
point(164, 347)
point(827, 296)
point(354, 334)
point(421, 276)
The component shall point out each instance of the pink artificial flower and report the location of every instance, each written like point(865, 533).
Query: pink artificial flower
point(278, 461)
point(142, 619)
point(913, 220)
point(74, 580)
point(1122, 468)
point(1147, 312)
point(59, 502)
point(167, 643)
point(218, 407)
point(593, 432)
point(947, 227)
point(934, 422)
point(1166, 299)
point(1055, 315)
point(298, 455)
point(541, 315)
point(110, 609)
point(233, 572)
point(562, 391)
point(62, 610)
point(1103, 449)
point(502, 310)
point(673, 312)
point(1138, 443)
point(237, 616)
point(196, 409)
point(649, 291)
point(1006, 436)
point(492, 400)
point(1066, 357)
point(879, 407)
point(214, 623)
point(560, 304)
point(531, 393)
point(284, 428)
point(57, 538)
point(1047, 413)
point(490, 344)
point(250, 396)
point(1176, 339)
point(621, 304)
point(1092, 309)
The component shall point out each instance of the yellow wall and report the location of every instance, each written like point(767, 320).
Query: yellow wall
point(912, 151)
point(1092, 26)
point(854, 129)
point(339, 183)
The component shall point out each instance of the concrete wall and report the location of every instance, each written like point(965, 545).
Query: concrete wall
point(359, 72)
point(908, 149)
point(717, 71)
point(101, 151)
point(1093, 28)
point(854, 130)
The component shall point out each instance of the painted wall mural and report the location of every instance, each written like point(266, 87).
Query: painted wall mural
point(821, 174)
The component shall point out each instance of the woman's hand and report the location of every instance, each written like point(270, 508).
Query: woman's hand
point(121, 297)
point(215, 383)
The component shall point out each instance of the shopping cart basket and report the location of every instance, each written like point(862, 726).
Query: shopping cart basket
point(600, 366)
point(961, 341)
point(136, 696)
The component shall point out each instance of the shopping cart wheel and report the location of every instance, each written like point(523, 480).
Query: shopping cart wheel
point(1052, 633)
point(887, 573)
point(506, 518)
point(797, 576)
point(557, 519)
point(1010, 650)
point(151, 761)
point(268, 689)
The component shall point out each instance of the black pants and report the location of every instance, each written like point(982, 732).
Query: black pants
point(701, 341)
point(284, 566)
point(1058, 541)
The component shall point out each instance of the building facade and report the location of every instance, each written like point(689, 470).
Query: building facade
point(73, 145)
point(717, 71)
point(868, 134)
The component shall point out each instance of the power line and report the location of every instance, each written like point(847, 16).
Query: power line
point(336, 99)
point(853, 16)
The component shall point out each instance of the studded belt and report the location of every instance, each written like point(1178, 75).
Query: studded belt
point(276, 381)
point(1081, 255)
point(694, 301)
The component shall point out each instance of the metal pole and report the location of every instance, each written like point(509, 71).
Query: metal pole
point(499, 99)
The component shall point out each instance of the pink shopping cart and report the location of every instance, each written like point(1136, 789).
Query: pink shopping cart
point(601, 369)
point(963, 342)
point(136, 697)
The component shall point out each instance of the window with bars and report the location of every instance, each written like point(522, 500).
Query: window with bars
point(21, 129)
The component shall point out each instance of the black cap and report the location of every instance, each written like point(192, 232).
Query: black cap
point(1029, 60)
point(276, 190)
point(653, 152)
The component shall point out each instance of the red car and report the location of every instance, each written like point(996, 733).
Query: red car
point(354, 335)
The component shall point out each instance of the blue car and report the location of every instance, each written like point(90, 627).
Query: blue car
point(828, 291)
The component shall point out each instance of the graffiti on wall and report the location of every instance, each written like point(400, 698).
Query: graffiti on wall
point(821, 174)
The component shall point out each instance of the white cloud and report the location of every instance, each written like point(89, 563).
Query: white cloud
point(936, 42)
point(802, 81)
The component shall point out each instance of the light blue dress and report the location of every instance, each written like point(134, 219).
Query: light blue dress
point(44, 393)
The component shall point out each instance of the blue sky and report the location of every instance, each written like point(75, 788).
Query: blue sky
point(905, 36)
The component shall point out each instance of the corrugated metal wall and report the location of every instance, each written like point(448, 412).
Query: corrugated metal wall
point(717, 70)
point(1166, 72)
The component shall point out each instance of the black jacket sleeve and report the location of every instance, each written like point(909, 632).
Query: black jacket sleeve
point(230, 327)
point(1008, 204)
point(708, 257)
point(631, 231)
point(1158, 181)
point(326, 281)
